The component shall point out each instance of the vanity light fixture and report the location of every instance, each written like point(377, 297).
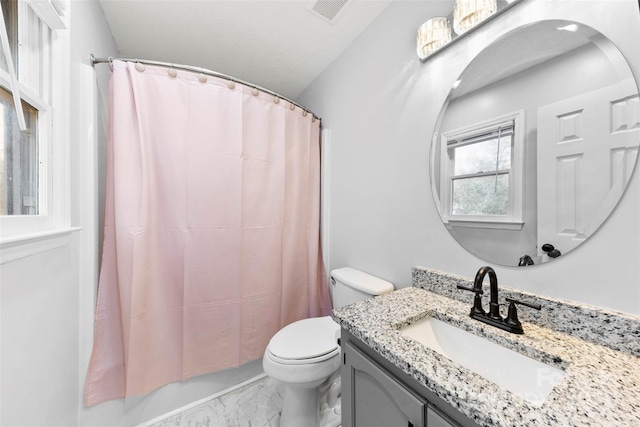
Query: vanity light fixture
point(469, 13)
point(432, 35)
point(439, 33)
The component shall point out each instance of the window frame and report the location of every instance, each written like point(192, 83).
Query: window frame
point(53, 218)
point(23, 223)
point(514, 218)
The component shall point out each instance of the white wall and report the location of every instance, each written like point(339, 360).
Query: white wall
point(39, 333)
point(47, 300)
point(381, 105)
point(89, 97)
point(44, 296)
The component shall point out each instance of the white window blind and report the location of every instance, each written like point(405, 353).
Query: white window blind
point(49, 12)
point(481, 173)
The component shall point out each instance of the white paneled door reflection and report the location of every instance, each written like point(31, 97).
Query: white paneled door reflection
point(592, 142)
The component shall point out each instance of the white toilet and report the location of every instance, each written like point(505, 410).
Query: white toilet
point(306, 356)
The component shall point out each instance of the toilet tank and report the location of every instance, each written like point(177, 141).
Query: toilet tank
point(349, 285)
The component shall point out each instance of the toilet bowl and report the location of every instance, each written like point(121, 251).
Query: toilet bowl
point(306, 355)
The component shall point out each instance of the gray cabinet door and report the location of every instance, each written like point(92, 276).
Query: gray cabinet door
point(435, 418)
point(371, 397)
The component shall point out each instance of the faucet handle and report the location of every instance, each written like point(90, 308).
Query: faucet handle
point(477, 300)
point(512, 316)
point(477, 291)
point(527, 304)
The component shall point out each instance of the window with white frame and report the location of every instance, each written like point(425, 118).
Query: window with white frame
point(31, 81)
point(481, 173)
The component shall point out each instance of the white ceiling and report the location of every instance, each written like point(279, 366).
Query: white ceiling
point(279, 45)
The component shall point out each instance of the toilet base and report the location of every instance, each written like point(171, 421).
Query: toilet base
point(330, 402)
point(312, 404)
point(300, 406)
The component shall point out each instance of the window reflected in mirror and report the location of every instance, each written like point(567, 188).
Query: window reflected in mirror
point(481, 169)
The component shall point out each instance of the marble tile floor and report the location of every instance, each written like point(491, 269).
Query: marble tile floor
point(255, 405)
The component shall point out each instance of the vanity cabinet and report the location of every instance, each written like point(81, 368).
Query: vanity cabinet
point(377, 398)
point(435, 418)
point(377, 394)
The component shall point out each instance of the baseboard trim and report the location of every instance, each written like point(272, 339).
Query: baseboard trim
point(201, 401)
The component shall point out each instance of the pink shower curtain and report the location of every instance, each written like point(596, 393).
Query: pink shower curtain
point(211, 239)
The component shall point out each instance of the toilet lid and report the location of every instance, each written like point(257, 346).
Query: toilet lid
point(306, 339)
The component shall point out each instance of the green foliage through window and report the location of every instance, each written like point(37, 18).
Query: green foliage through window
point(481, 170)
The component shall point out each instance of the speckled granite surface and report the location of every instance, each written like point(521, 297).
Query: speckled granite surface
point(601, 385)
point(614, 330)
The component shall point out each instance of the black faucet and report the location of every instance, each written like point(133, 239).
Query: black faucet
point(511, 322)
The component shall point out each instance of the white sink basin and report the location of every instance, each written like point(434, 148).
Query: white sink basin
point(528, 378)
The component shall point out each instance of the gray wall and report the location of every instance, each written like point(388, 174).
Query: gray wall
point(381, 105)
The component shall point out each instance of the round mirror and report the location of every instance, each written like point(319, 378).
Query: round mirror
point(536, 143)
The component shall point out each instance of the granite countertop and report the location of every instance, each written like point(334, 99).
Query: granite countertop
point(601, 385)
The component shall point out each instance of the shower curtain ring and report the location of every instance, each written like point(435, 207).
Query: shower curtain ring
point(172, 72)
point(139, 66)
point(202, 76)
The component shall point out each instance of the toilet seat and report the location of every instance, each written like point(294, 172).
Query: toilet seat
point(306, 341)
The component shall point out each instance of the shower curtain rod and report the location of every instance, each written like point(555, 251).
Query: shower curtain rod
point(110, 60)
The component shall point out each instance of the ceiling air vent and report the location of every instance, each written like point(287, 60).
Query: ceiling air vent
point(329, 9)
